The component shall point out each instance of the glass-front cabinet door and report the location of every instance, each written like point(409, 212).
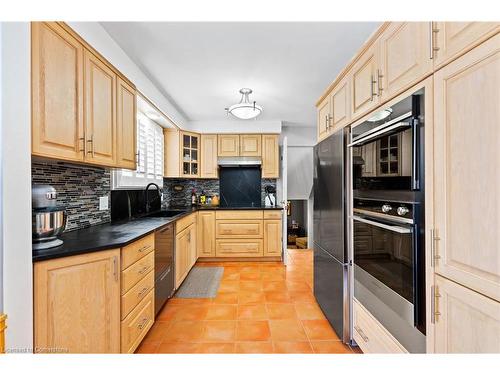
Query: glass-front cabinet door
point(190, 154)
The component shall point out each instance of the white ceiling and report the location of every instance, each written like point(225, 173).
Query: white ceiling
point(200, 66)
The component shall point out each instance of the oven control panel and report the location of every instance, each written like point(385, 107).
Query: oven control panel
point(386, 208)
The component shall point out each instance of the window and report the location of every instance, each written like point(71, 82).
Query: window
point(149, 157)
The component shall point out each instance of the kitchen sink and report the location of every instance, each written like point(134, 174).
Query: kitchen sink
point(167, 213)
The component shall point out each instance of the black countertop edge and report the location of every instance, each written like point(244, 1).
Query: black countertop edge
point(117, 234)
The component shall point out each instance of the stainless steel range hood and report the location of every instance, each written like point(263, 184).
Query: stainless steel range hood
point(239, 161)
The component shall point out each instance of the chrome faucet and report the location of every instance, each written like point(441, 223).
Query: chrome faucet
point(146, 196)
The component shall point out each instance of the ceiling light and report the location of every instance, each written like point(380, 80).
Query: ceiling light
point(380, 115)
point(245, 109)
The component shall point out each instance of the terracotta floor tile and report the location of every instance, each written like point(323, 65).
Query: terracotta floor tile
point(188, 301)
point(184, 331)
point(297, 286)
point(291, 347)
point(279, 311)
point(255, 347)
point(227, 298)
point(191, 312)
point(333, 347)
point(287, 330)
point(229, 270)
point(219, 331)
point(250, 276)
point(302, 296)
point(217, 348)
point(273, 276)
point(251, 286)
point(319, 330)
point(274, 286)
point(252, 312)
point(231, 277)
point(249, 269)
point(245, 298)
point(169, 312)
point(147, 347)
point(178, 348)
point(308, 311)
point(229, 286)
point(157, 332)
point(221, 312)
point(252, 330)
point(277, 297)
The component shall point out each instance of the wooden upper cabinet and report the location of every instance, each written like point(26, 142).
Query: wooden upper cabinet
point(364, 79)
point(466, 169)
point(250, 145)
point(190, 154)
point(208, 160)
point(100, 111)
point(57, 93)
point(270, 156)
point(468, 322)
point(404, 57)
point(206, 233)
point(228, 145)
point(272, 237)
point(126, 125)
point(77, 303)
point(324, 118)
point(340, 100)
point(452, 39)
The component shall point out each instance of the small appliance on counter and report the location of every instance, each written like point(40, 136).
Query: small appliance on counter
point(270, 200)
point(48, 219)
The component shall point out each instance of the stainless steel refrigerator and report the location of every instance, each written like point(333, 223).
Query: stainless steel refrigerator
point(332, 263)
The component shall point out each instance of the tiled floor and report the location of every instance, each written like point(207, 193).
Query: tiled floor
point(260, 308)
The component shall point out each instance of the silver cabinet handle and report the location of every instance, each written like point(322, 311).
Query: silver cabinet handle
point(432, 48)
point(434, 308)
point(362, 334)
point(372, 87)
point(144, 248)
point(143, 323)
point(91, 140)
point(143, 270)
point(115, 268)
point(138, 155)
point(434, 238)
point(379, 82)
point(142, 292)
point(84, 145)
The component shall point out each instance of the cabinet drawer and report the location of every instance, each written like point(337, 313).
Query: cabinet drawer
point(238, 214)
point(137, 324)
point(185, 222)
point(137, 293)
point(272, 214)
point(136, 250)
point(136, 272)
point(370, 335)
point(238, 229)
point(239, 248)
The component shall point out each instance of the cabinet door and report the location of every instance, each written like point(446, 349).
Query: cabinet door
point(190, 154)
point(340, 106)
point(77, 303)
point(468, 322)
point(404, 58)
point(57, 93)
point(206, 234)
point(270, 156)
point(193, 252)
point(126, 125)
point(250, 145)
point(466, 169)
point(323, 118)
point(100, 111)
point(208, 160)
point(364, 82)
point(181, 256)
point(272, 237)
point(369, 155)
point(451, 39)
point(228, 145)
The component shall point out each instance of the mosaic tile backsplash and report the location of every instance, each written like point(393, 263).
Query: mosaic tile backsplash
point(209, 186)
point(78, 188)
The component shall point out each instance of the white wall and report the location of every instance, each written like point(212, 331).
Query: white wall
point(16, 183)
point(99, 39)
point(234, 126)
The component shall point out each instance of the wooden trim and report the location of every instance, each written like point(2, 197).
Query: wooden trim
point(3, 326)
point(371, 40)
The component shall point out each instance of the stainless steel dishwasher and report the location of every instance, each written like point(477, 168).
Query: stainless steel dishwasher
point(164, 265)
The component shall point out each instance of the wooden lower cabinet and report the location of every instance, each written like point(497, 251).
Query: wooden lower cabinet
point(77, 303)
point(467, 322)
point(135, 326)
point(239, 248)
point(370, 335)
point(185, 253)
point(272, 237)
point(206, 233)
point(238, 229)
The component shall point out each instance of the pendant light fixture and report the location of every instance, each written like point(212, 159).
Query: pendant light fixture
point(245, 109)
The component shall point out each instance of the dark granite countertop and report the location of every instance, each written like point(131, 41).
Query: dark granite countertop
point(118, 234)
